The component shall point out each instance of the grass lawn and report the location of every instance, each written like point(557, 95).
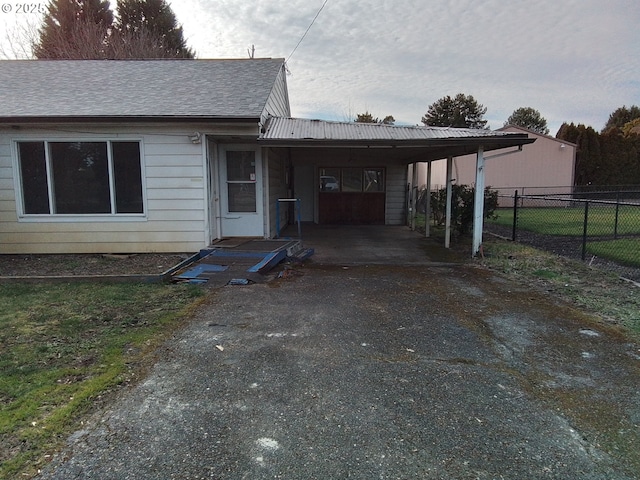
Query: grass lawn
point(63, 348)
point(625, 251)
point(570, 220)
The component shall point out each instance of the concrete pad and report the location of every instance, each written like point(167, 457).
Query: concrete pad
point(375, 371)
point(374, 245)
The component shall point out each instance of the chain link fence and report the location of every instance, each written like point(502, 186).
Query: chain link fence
point(601, 228)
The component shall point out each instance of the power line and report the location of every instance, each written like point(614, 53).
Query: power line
point(306, 31)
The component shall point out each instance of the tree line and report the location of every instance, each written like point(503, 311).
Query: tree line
point(89, 29)
point(610, 157)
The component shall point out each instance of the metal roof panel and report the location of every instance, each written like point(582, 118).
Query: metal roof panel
point(279, 128)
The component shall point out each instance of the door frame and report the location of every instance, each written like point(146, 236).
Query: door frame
point(234, 224)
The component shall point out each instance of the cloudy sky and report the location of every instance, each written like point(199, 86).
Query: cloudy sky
point(573, 60)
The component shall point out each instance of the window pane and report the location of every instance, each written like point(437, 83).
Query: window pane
point(241, 166)
point(351, 179)
point(374, 180)
point(33, 171)
point(127, 177)
point(80, 177)
point(329, 180)
point(242, 197)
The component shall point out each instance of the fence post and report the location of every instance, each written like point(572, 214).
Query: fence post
point(615, 225)
point(515, 216)
point(584, 231)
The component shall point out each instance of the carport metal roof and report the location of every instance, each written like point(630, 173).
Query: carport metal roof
point(405, 144)
point(413, 144)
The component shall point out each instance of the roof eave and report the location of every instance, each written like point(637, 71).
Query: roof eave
point(19, 120)
point(489, 143)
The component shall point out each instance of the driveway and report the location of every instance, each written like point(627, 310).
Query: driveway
point(362, 371)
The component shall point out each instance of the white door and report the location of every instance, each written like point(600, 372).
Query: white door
point(241, 206)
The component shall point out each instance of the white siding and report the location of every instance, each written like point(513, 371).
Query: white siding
point(277, 104)
point(396, 195)
point(173, 171)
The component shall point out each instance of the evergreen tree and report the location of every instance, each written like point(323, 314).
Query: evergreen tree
point(85, 29)
point(530, 119)
point(622, 116)
point(461, 111)
point(153, 17)
point(369, 118)
point(74, 29)
point(588, 169)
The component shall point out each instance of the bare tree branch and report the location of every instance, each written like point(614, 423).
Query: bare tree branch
point(18, 40)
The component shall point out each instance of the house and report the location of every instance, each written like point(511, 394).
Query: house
point(128, 156)
point(544, 168)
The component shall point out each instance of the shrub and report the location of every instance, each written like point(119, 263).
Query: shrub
point(462, 197)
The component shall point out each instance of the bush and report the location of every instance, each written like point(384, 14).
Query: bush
point(461, 208)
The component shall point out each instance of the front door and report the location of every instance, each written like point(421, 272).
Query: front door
point(241, 192)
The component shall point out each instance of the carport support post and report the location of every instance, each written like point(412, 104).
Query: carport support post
point(427, 206)
point(478, 203)
point(447, 220)
point(414, 195)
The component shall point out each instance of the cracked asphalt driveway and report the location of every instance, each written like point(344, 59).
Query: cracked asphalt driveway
point(430, 372)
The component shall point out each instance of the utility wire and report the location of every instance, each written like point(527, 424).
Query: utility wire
point(306, 31)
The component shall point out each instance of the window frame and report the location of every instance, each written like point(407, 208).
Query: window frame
point(76, 217)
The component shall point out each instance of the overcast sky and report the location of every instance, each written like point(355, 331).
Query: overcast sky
point(573, 60)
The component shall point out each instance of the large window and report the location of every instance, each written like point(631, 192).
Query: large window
point(81, 178)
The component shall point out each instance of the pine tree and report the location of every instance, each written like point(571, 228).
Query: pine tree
point(462, 111)
point(153, 17)
point(369, 118)
point(74, 29)
point(528, 118)
point(622, 116)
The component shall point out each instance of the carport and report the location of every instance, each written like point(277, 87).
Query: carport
point(375, 151)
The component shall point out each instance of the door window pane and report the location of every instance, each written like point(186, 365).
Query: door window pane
point(242, 197)
point(33, 170)
point(127, 176)
point(241, 181)
point(241, 166)
point(80, 177)
point(351, 179)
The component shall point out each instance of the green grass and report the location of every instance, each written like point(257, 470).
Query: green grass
point(570, 220)
point(625, 251)
point(65, 346)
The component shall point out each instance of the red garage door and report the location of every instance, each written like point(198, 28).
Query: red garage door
point(352, 196)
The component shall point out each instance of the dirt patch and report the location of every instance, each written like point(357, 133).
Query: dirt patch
point(87, 264)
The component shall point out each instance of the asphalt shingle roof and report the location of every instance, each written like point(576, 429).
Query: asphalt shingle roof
point(136, 88)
